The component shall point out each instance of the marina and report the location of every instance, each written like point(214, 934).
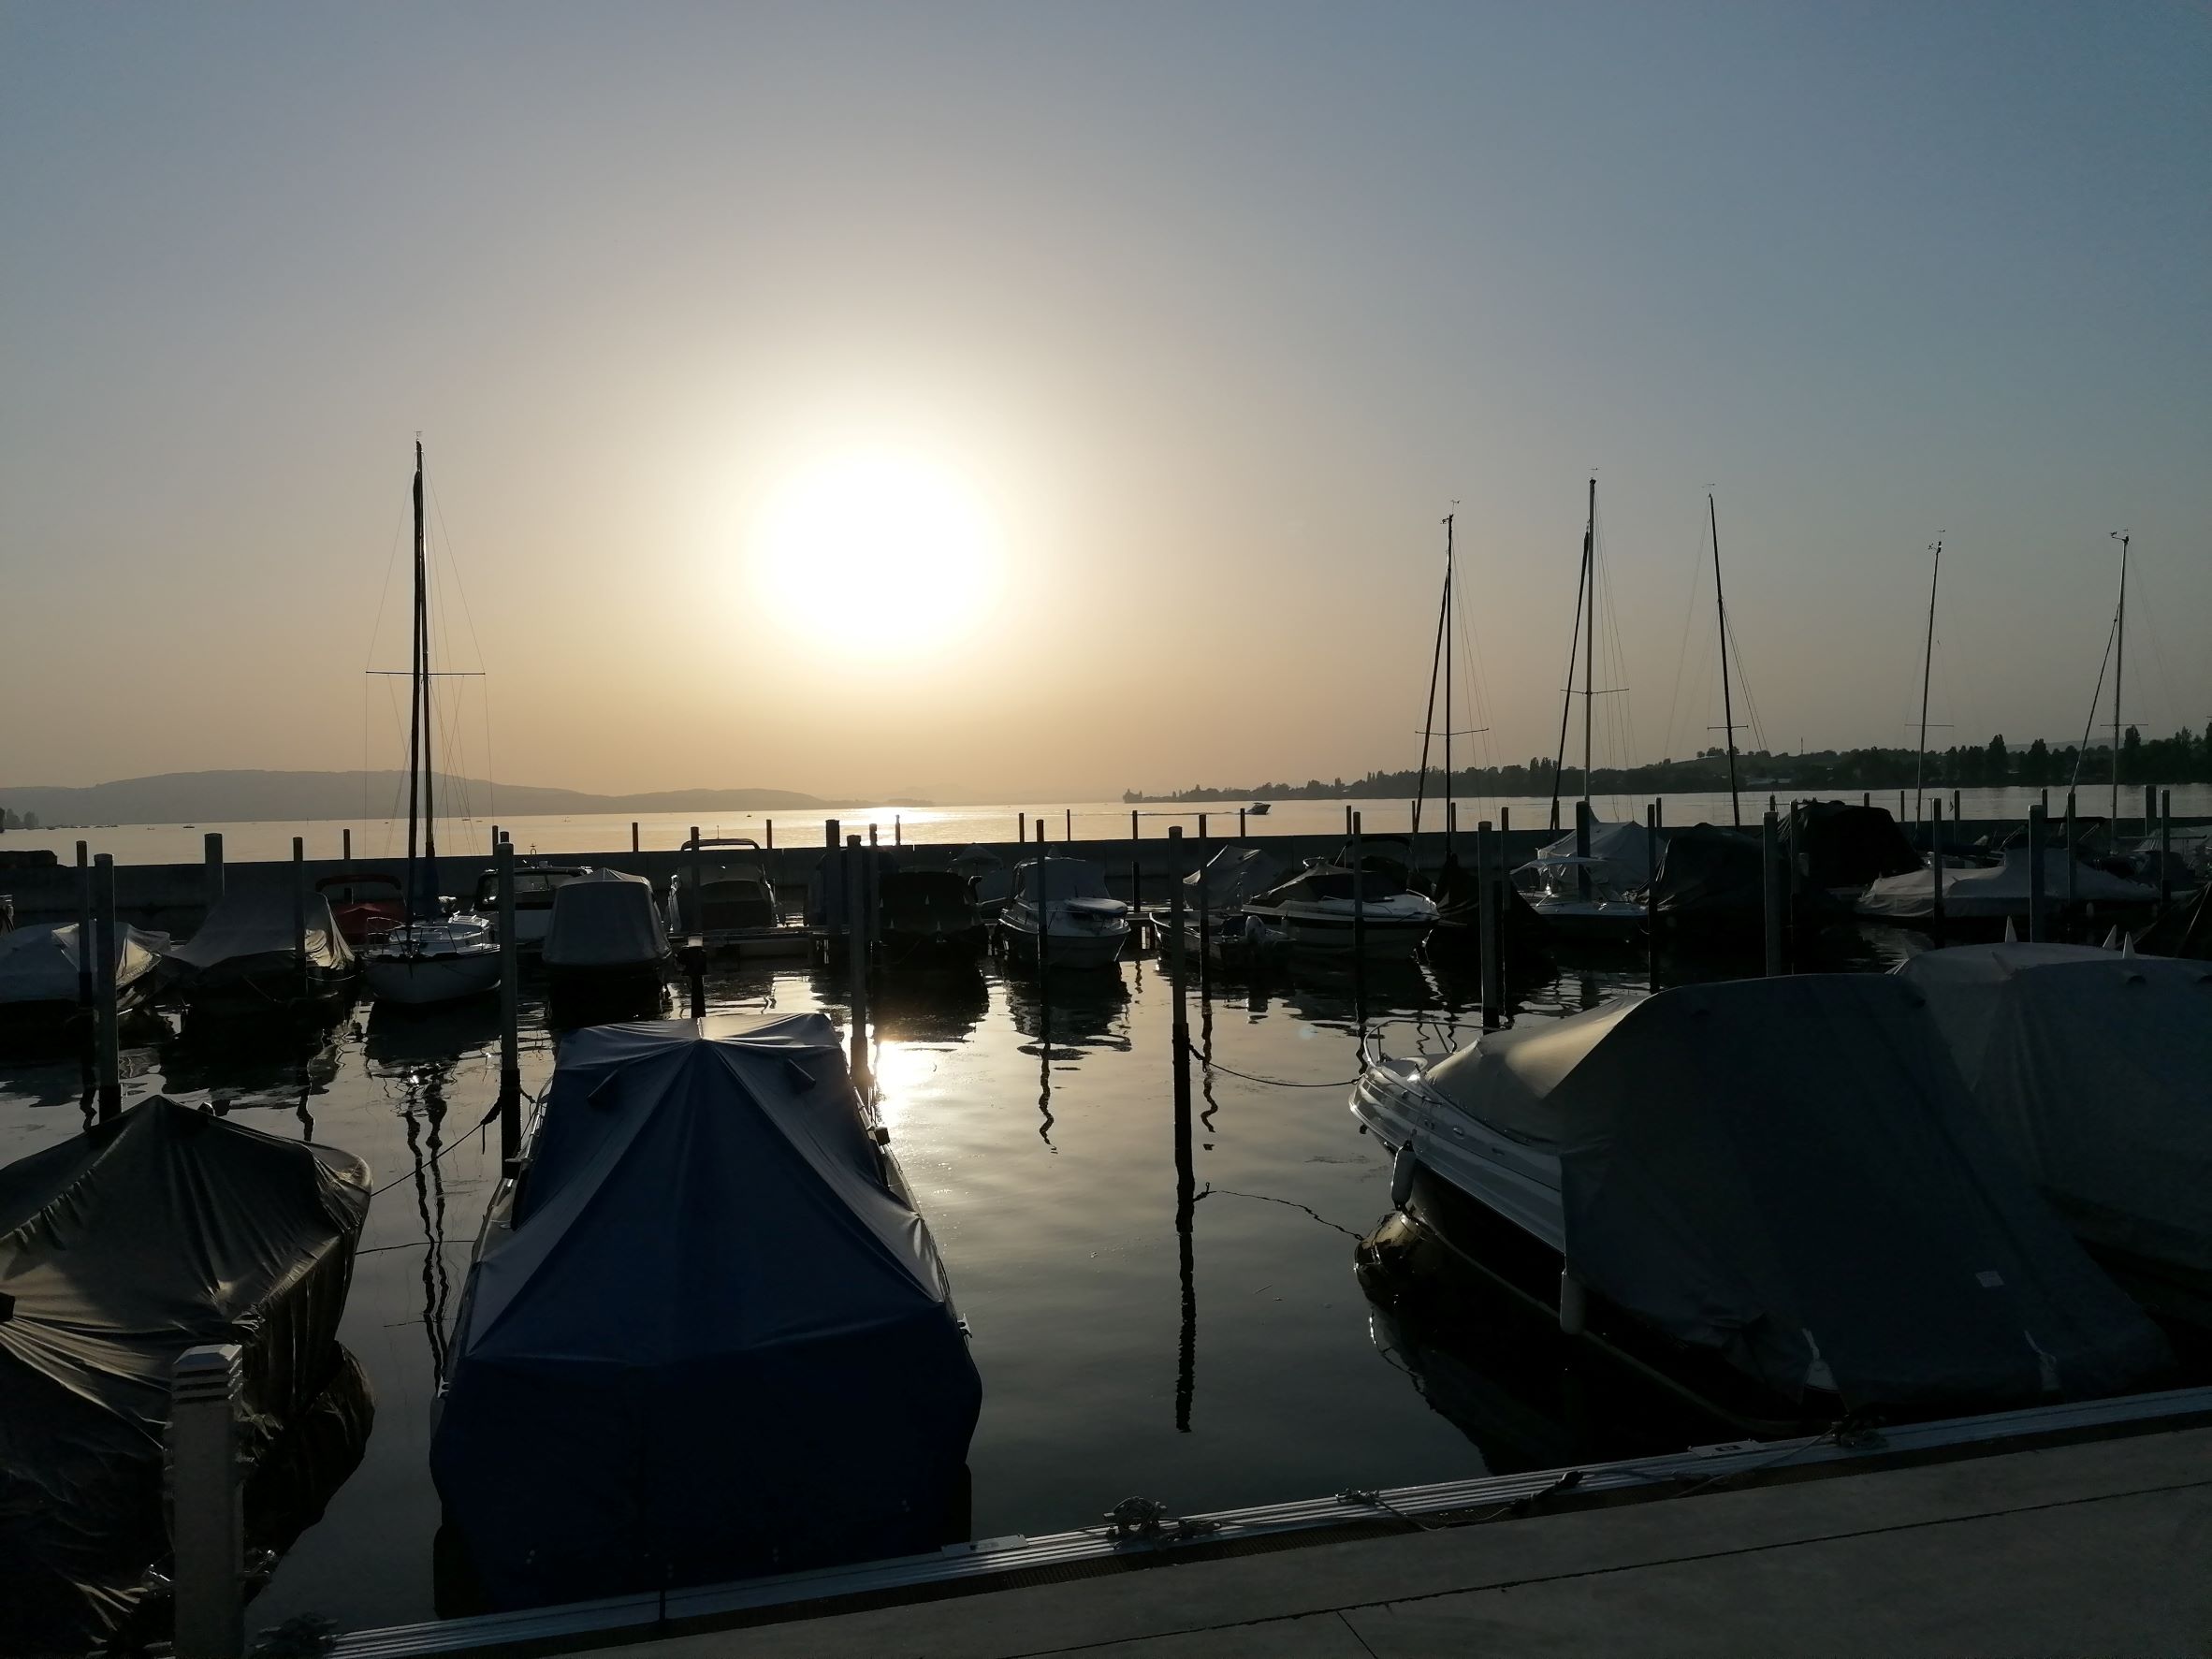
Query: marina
point(1207, 1312)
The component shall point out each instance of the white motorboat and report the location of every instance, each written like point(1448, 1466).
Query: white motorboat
point(537, 883)
point(1059, 912)
point(1991, 894)
point(428, 958)
point(727, 901)
point(1784, 1172)
point(1328, 911)
point(421, 963)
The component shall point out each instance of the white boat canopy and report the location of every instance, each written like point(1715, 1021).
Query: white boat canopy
point(605, 919)
point(1621, 845)
point(39, 963)
point(1988, 892)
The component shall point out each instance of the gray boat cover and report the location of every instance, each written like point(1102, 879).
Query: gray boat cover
point(719, 1340)
point(1621, 845)
point(2096, 1070)
point(38, 963)
point(1231, 878)
point(252, 923)
point(605, 919)
point(1990, 893)
point(119, 1250)
point(1790, 1171)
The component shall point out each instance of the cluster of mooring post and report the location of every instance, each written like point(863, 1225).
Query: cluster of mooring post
point(510, 1015)
point(1178, 1027)
point(1935, 865)
point(2037, 833)
point(101, 943)
point(856, 957)
point(1651, 911)
point(207, 1521)
point(299, 910)
point(84, 926)
point(1770, 886)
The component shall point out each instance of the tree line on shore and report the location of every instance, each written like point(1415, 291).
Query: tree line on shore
point(2184, 758)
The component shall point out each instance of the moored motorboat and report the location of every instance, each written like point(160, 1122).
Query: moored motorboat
point(1327, 912)
point(707, 1335)
point(927, 917)
point(721, 895)
point(606, 952)
point(1059, 913)
point(2094, 1067)
point(261, 952)
point(537, 882)
point(1214, 899)
point(1982, 896)
point(1786, 1173)
point(160, 1231)
point(1579, 898)
point(41, 977)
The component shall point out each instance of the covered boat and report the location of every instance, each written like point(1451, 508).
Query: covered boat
point(927, 917)
point(537, 884)
point(120, 1248)
point(723, 896)
point(1840, 846)
point(707, 1335)
point(1058, 912)
point(1989, 894)
point(39, 968)
point(1622, 855)
point(257, 954)
point(2095, 1068)
point(1710, 887)
point(1786, 1173)
point(606, 951)
point(364, 903)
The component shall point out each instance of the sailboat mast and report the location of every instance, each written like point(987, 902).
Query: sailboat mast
point(422, 607)
point(1420, 785)
point(1566, 701)
point(1727, 707)
point(1448, 598)
point(1589, 633)
point(2119, 658)
point(1926, 666)
point(413, 696)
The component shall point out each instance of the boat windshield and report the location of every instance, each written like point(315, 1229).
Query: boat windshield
point(1064, 877)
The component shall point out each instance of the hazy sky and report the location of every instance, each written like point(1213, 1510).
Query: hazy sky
point(1199, 317)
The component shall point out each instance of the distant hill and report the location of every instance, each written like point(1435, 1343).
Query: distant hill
point(291, 797)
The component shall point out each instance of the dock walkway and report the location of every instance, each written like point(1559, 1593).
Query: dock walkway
point(2099, 1547)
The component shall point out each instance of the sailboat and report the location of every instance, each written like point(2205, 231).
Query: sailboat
point(430, 957)
point(1577, 889)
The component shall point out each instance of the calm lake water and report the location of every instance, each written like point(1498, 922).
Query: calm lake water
point(378, 839)
point(1043, 1159)
point(1237, 1364)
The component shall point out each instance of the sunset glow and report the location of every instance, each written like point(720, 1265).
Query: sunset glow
point(876, 553)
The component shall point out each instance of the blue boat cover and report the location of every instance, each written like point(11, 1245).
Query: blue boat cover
point(717, 1340)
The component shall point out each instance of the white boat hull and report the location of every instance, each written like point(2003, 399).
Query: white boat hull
point(418, 982)
point(1084, 950)
point(1324, 930)
point(1512, 1179)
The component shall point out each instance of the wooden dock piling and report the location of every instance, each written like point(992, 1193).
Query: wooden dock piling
point(107, 1055)
point(84, 926)
point(1770, 885)
point(1935, 914)
point(510, 1099)
point(2037, 833)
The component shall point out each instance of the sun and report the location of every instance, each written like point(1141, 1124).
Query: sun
point(876, 553)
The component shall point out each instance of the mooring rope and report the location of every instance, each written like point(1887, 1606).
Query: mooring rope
point(1280, 1082)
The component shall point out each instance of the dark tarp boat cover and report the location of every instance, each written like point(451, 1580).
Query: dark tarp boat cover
point(2096, 1069)
point(1458, 916)
point(930, 902)
point(38, 963)
point(1839, 845)
point(119, 1250)
point(1790, 1171)
point(1707, 872)
point(719, 1340)
point(249, 931)
point(604, 920)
